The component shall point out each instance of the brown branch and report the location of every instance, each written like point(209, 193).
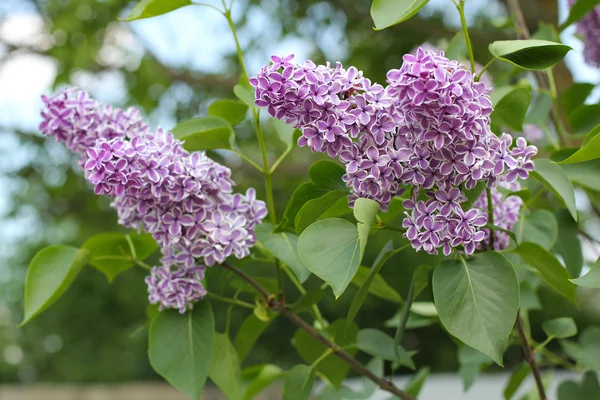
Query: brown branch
point(279, 306)
point(529, 357)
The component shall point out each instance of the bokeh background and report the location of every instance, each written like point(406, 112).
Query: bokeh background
point(172, 67)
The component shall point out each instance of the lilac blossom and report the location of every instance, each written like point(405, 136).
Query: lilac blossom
point(588, 27)
point(506, 213)
point(185, 201)
point(429, 128)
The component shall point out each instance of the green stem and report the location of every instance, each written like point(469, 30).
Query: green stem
point(209, 6)
point(555, 107)
point(263, 148)
point(323, 356)
point(404, 316)
point(302, 291)
point(142, 264)
point(280, 159)
point(461, 11)
point(478, 76)
point(227, 300)
point(131, 246)
point(248, 160)
point(237, 42)
point(488, 193)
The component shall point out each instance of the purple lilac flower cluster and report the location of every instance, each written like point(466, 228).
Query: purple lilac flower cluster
point(184, 200)
point(429, 128)
point(506, 213)
point(589, 28)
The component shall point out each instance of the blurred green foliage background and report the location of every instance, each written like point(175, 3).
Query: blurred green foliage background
point(95, 332)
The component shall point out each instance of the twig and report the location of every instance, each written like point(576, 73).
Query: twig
point(279, 306)
point(530, 358)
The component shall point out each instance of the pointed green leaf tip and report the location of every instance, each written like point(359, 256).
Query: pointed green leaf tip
point(153, 8)
point(386, 13)
point(50, 273)
point(529, 54)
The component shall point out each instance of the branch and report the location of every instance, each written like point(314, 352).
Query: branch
point(279, 306)
point(530, 358)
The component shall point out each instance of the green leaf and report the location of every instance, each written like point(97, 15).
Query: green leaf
point(258, 378)
point(309, 299)
point(378, 286)
point(529, 54)
point(590, 151)
point(299, 382)
point(313, 209)
point(549, 268)
point(180, 347)
point(248, 334)
point(361, 295)
point(575, 95)
point(105, 249)
point(515, 381)
point(386, 13)
point(555, 179)
point(539, 227)
point(153, 8)
point(591, 279)
point(467, 294)
point(456, 47)
point(587, 390)
point(205, 133)
point(381, 345)
point(224, 368)
point(50, 273)
point(365, 211)
point(284, 246)
point(414, 385)
point(539, 111)
point(232, 111)
point(510, 109)
point(326, 176)
point(421, 278)
point(584, 118)
point(586, 351)
point(591, 135)
point(560, 328)
point(245, 94)
point(568, 244)
point(310, 349)
point(331, 249)
point(471, 362)
point(287, 133)
point(579, 10)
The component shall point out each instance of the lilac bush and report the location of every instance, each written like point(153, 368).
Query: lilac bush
point(186, 201)
point(429, 138)
point(589, 29)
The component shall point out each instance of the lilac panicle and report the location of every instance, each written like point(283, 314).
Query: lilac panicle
point(589, 28)
point(428, 128)
point(185, 200)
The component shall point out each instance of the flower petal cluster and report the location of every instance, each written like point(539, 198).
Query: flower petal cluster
point(589, 28)
point(506, 212)
point(186, 201)
point(429, 128)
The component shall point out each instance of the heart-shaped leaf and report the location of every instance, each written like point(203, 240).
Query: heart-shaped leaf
point(180, 347)
point(232, 111)
point(554, 178)
point(466, 294)
point(153, 8)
